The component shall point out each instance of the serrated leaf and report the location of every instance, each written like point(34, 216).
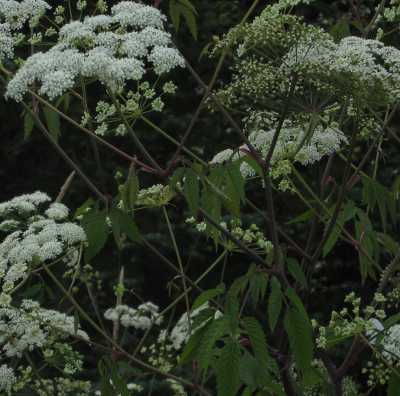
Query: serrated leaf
point(249, 370)
point(258, 283)
point(296, 301)
point(300, 339)
point(227, 368)
point(232, 310)
point(296, 271)
point(258, 343)
point(203, 317)
point(347, 214)
point(207, 296)
point(211, 203)
point(122, 223)
point(192, 191)
point(274, 303)
point(191, 348)
point(235, 184)
point(96, 229)
point(52, 122)
point(130, 191)
point(389, 243)
point(214, 332)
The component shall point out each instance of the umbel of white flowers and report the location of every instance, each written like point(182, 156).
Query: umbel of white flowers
point(112, 49)
point(304, 144)
point(13, 16)
point(30, 327)
point(33, 232)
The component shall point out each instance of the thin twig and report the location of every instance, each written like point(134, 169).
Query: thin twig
point(65, 187)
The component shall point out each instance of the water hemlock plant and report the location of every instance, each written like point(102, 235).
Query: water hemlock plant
point(308, 112)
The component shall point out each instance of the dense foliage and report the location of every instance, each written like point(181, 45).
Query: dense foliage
point(199, 197)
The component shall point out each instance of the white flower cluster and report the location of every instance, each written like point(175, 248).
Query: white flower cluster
point(6, 42)
point(390, 342)
point(23, 205)
point(142, 318)
point(30, 326)
point(183, 329)
point(17, 13)
point(156, 195)
point(176, 387)
point(13, 15)
point(34, 238)
point(298, 143)
point(113, 49)
point(304, 144)
point(62, 386)
point(7, 378)
point(365, 64)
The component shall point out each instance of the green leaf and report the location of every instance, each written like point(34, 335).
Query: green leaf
point(306, 216)
point(296, 301)
point(211, 203)
point(214, 332)
point(176, 178)
point(389, 243)
point(235, 184)
point(188, 5)
point(191, 348)
point(347, 214)
point(298, 330)
point(190, 19)
point(249, 370)
point(207, 296)
point(52, 122)
point(228, 371)
point(369, 242)
point(96, 229)
point(394, 385)
point(274, 303)
point(174, 13)
point(29, 124)
point(392, 320)
point(258, 343)
point(85, 207)
point(340, 30)
point(122, 223)
point(111, 381)
point(130, 191)
point(192, 191)
point(247, 392)
point(258, 283)
point(232, 309)
point(296, 271)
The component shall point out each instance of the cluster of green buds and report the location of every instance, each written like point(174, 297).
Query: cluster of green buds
point(251, 236)
point(135, 104)
point(350, 321)
point(155, 196)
